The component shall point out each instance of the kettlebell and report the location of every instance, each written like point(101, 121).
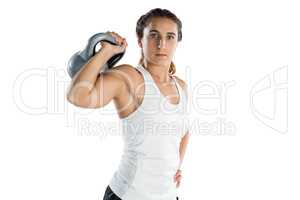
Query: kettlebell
point(81, 57)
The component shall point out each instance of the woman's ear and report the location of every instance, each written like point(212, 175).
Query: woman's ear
point(140, 43)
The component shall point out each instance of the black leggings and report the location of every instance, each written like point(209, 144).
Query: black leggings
point(110, 195)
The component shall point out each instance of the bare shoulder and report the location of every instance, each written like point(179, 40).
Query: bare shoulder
point(124, 68)
point(183, 85)
point(129, 75)
point(125, 71)
point(181, 82)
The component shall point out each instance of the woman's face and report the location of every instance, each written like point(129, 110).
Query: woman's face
point(159, 41)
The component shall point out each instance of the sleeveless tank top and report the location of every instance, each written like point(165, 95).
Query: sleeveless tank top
point(151, 135)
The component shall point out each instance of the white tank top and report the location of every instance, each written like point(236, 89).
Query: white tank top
point(152, 135)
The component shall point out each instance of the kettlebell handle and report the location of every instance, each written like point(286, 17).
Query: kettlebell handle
point(81, 57)
point(95, 39)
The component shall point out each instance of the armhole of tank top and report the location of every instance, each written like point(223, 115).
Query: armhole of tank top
point(185, 92)
point(134, 113)
point(180, 90)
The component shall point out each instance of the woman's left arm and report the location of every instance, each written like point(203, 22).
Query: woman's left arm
point(184, 140)
point(182, 150)
point(183, 146)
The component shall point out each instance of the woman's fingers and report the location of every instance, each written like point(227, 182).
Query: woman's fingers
point(118, 38)
point(178, 181)
point(178, 184)
point(121, 43)
point(123, 46)
point(177, 178)
point(178, 173)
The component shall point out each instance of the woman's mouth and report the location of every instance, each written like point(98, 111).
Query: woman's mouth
point(161, 54)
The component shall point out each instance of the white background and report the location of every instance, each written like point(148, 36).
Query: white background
point(52, 150)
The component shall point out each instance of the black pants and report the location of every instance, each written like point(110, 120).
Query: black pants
point(110, 195)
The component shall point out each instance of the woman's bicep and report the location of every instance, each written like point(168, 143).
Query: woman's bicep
point(107, 87)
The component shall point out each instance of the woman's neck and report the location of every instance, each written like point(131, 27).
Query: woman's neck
point(159, 73)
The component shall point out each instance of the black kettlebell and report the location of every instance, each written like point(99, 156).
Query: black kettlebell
point(81, 57)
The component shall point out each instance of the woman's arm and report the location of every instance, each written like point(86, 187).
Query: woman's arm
point(184, 141)
point(185, 138)
point(182, 150)
point(183, 146)
point(87, 84)
point(90, 89)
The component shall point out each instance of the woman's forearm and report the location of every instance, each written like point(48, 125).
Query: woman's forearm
point(84, 80)
point(183, 146)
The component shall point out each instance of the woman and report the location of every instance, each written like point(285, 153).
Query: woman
point(151, 103)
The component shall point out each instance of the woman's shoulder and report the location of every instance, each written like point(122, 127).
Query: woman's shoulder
point(127, 68)
point(128, 73)
point(181, 82)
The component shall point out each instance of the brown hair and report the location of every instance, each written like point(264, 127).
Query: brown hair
point(146, 18)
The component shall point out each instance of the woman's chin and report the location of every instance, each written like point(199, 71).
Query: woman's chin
point(161, 62)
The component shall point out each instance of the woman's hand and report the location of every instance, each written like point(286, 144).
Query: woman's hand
point(177, 177)
point(115, 49)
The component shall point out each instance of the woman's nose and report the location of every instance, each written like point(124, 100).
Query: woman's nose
point(161, 43)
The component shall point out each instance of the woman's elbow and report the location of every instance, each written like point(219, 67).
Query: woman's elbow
point(83, 101)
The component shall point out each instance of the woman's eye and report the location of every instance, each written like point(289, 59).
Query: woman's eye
point(153, 35)
point(170, 37)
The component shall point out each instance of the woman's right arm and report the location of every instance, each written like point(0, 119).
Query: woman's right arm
point(88, 88)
